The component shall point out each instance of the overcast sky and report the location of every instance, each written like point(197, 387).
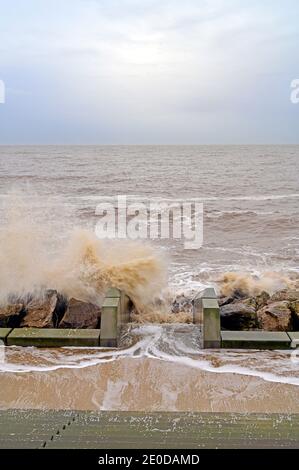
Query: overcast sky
point(147, 71)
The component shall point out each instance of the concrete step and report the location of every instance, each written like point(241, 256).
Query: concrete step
point(294, 335)
point(53, 337)
point(255, 340)
point(4, 332)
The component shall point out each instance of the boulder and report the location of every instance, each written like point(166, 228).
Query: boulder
point(285, 294)
point(240, 294)
point(80, 314)
point(225, 300)
point(239, 315)
point(275, 316)
point(294, 307)
point(42, 312)
point(11, 315)
point(262, 299)
point(182, 304)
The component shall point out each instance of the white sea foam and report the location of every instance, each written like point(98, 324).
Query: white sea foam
point(136, 197)
point(174, 344)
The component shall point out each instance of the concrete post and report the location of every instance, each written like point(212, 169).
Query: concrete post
point(110, 317)
point(115, 312)
point(208, 293)
point(211, 323)
point(124, 303)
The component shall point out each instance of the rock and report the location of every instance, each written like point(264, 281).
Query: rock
point(262, 299)
point(182, 304)
point(235, 294)
point(225, 300)
point(294, 307)
point(275, 316)
point(11, 315)
point(80, 315)
point(239, 315)
point(175, 308)
point(42, 312)
point(285, 294)
point(239, 294)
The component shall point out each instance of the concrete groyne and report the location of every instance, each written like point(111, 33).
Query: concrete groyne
point(206, 311)
point(115, 312)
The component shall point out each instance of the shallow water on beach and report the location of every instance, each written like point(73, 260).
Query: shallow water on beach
point(160, 367)
point(251, 214)
point(174, 343)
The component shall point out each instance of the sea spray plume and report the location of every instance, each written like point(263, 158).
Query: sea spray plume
point(132, 267)
point(35, 255)
point(23, 258)
point(33, 236)
point(160, 314)
point(137, 269)
point(245, 284)
point(89, 266)
point(168, 308)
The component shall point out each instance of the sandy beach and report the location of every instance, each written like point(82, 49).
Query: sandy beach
point(146, 385)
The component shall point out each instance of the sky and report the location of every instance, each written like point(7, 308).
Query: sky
point(148, 72)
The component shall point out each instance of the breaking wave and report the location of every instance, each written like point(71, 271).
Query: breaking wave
point(33, 256)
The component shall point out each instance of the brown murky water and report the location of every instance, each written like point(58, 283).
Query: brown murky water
point(250, 225)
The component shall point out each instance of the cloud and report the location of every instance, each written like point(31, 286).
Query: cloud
point(167, 71)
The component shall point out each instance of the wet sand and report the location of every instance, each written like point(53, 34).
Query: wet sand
point(145, 384)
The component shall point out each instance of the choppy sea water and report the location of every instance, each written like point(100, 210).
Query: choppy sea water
point(250, 196)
